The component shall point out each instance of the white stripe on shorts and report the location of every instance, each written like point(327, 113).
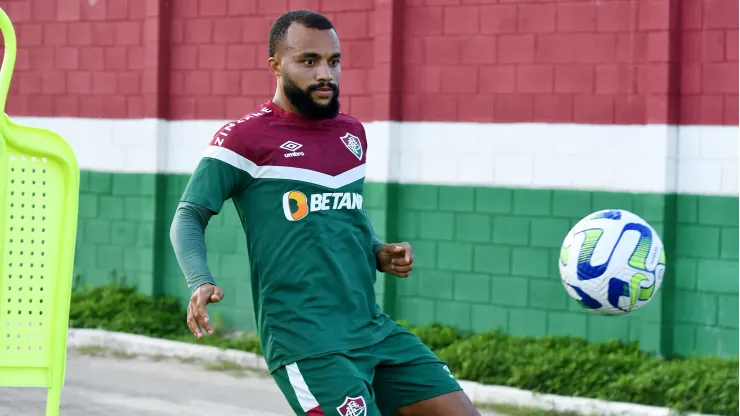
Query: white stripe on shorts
point(305, 397)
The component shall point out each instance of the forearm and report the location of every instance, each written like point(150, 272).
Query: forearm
point(187, 235)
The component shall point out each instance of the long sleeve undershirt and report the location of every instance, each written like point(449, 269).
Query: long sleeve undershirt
point(187, 235)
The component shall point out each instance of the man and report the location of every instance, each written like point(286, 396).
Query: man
point(295, 169)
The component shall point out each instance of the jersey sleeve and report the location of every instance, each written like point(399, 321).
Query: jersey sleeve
point(213, 182)
point(217, 177)
point(377, 243)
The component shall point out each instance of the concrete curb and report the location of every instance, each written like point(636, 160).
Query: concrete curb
point(142, 345)
point(479, 393)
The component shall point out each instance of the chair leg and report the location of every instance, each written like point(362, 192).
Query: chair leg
point(53, 401)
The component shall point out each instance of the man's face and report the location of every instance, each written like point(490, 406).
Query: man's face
point(310, 70)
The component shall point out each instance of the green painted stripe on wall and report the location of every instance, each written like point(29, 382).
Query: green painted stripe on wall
point(485, 257)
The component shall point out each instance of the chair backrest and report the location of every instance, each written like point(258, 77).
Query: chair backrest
point(39, 193)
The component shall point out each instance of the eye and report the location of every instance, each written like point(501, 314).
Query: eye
point(309, 62)
point(334, 62)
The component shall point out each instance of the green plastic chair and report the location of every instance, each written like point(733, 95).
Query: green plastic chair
point(39, 195)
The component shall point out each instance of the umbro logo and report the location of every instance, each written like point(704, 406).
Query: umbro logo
point(291, 147)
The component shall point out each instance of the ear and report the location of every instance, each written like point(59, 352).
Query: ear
point(274, 65)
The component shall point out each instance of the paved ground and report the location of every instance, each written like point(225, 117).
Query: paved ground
point(115, 386)
point(104, 385)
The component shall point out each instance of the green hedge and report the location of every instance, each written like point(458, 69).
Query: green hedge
point(557, 365)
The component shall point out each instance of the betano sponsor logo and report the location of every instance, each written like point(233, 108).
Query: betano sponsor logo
point(296, 205)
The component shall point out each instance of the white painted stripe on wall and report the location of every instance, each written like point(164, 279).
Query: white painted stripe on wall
point(639, 158)
point(708, 160)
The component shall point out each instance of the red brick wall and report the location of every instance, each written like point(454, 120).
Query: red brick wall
point(78, 60)
point(583, 61)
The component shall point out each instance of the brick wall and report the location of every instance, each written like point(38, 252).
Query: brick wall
point(706, 275)
point(486, 254)
point(487, 258)
point(619, 62)
point(79, 60)
point(117, 229)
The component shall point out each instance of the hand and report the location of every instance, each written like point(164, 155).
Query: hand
point(396, 259)
point(197, 314)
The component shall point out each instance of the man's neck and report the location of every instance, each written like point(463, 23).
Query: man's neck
point(282, 101)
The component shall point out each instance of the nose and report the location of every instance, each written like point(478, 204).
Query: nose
point(323, 73)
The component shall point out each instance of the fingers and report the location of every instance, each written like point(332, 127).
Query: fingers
point(402, 259)
point(217, 295)
point(392, 249)
point(197, 314)
point(192, 324)
point(401, 268)
point(202, 318)
point(403, 250)
point(403, 271)
point(409, 254)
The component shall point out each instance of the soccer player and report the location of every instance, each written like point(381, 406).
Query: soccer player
point(294, 168)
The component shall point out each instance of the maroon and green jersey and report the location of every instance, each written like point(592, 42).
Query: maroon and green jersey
point(298, 188)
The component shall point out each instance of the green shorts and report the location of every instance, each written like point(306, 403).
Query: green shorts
point(370, 381)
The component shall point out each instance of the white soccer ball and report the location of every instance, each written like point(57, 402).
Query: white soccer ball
point(612, 262)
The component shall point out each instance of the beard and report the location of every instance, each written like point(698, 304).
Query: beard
point(306, 105)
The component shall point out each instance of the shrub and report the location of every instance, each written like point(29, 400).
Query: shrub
point(609, 371)
point(122, 308)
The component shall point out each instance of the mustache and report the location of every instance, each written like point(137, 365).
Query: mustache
point(315, 87)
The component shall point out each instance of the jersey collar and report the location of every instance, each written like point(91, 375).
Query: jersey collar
point(295, 116)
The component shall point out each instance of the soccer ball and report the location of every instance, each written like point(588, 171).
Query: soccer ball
point(612, 262)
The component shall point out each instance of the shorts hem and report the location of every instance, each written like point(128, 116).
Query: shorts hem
point(382, 333)
point(432, 394)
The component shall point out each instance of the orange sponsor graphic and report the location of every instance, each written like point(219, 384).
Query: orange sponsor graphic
point(301, 205)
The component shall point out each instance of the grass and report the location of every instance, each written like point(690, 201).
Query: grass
point(95, 351)
point(188, 360)
point(99, 351)
point(226, 366)
point(220, 365)
point(122, 355)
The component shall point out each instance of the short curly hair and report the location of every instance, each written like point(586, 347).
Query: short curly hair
point(307, 18)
